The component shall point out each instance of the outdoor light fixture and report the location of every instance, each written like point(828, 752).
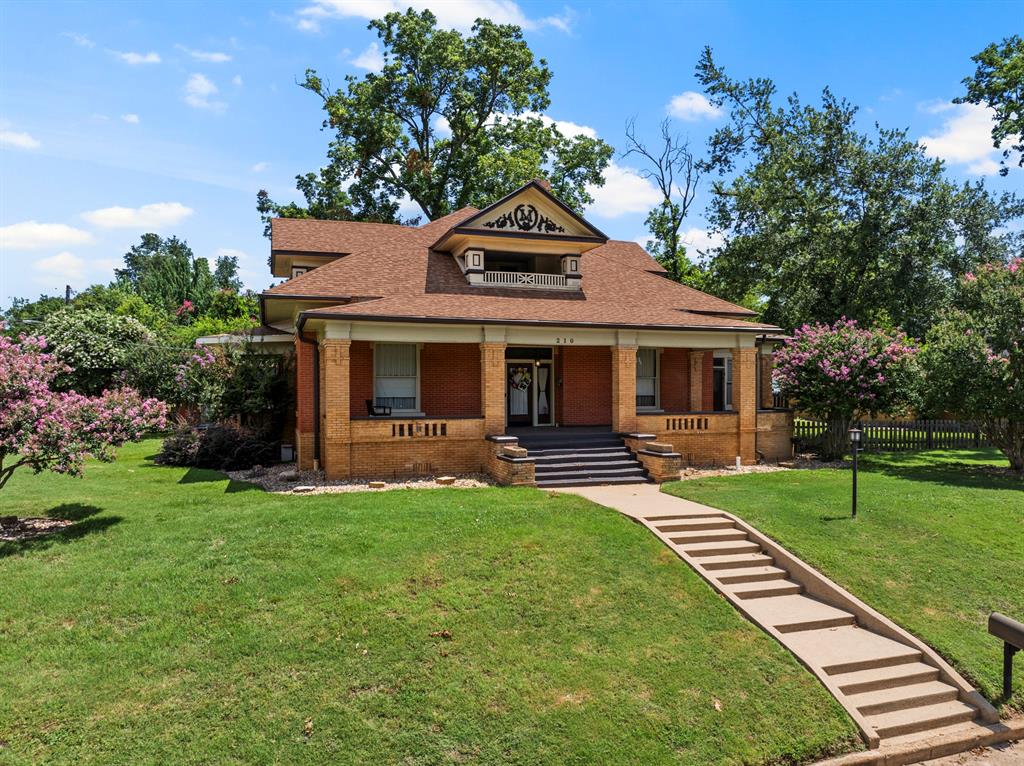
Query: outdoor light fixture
point(855, 434)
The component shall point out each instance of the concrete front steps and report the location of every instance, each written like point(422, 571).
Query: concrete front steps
point(897, 690)
point(582, 459)
point(909, 704)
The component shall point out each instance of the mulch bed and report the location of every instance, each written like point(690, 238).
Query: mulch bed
point(13, 529)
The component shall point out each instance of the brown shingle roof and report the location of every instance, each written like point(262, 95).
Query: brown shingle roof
point(396, 276)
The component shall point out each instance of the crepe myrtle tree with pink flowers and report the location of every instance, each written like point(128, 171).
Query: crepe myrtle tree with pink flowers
point(841, 372)
point(974, 357)
point(47, 430)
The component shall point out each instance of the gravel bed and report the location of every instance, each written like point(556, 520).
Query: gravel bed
point(286, 479)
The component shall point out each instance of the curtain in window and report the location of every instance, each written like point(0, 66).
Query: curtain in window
point(646, 377)
point(395, 375)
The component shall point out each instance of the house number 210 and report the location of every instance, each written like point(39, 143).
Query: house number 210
point(564, 341)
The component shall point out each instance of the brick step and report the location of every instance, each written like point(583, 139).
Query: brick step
point(749, 574)
point(597, 465)
point(589, 481)
point(704, 550)
point(903, 697)
point(708, 536)
point(766, 590)
point(734, 561)
point(578, 457)
point(693, 525)
point(918, 719)
point(584, 473)
point(545, 451)
point(890, 677)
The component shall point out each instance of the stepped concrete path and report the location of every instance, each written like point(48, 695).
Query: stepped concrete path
point(907, 701)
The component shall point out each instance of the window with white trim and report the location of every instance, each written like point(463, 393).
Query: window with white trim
point(647, 378)
point(722, 381)
point(396, 376)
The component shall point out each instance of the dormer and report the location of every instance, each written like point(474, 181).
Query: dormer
point(529, 239)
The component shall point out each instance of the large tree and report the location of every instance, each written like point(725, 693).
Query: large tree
point(823, 221)
point(449, 121)
point(974, 359)
point(998, 82)
point(165, 273)
point(671, 167)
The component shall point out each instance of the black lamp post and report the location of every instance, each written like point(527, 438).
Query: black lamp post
point(855, 434)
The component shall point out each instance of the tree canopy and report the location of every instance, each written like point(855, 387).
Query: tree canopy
point(826, 221)
point(998, 82)
point(450, 120)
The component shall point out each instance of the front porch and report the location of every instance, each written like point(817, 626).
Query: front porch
point(418, 400)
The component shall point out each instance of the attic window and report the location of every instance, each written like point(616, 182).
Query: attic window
point(298, 271)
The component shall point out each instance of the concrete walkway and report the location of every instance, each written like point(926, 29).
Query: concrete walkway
point(907, 701)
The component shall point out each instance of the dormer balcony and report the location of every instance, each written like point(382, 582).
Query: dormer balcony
point(525, 279)
point(539, 271)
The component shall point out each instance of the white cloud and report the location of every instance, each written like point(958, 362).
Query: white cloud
point(130, 57)
point(80, 40)
point(965, 137)
point(32, 235)
point(455, 14)
point(259, 167)
point(624, 191)
point(691, 107)
point(701, 241)
point(155, 216)
point(237, 81)
point(199, 92)
point(371, 59)
point(17, 139)
point(65, 267)
point(131, 119)
point(210, 57)
point(565, 127)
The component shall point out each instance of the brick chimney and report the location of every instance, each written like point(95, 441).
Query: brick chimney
point(544, 183)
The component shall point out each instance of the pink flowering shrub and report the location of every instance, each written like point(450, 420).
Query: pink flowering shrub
point(974, 358)
point(841, 371)
point(43, 429)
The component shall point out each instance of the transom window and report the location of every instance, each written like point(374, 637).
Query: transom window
point(396, 376)
point(647, 378)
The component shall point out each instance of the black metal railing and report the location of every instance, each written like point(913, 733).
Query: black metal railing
point(897, 435)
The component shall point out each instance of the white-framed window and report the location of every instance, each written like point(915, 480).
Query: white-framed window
point(647, 378)
point(722, 380)
point(298, 271)
point(396, 377)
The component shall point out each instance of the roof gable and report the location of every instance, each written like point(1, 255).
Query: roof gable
point(531, 211)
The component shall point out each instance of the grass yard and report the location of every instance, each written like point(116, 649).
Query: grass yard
point(937, 545)
point(188, 619)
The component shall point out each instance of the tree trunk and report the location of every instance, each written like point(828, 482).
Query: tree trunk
point(1008, 436)
point(835, 443)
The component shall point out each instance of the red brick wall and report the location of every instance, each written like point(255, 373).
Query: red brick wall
point(304, 385)
point(585, 395)
point(360, 377)
point(675, 380)
point(450, 380)
point(709, 382)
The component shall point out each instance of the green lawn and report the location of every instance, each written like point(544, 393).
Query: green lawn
point(938, 543)
point(186, 619)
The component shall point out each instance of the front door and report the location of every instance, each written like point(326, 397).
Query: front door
point(519, 393)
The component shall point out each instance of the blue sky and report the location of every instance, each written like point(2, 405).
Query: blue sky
point(121, 118)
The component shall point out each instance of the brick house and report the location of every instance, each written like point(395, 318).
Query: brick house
point(512, 340)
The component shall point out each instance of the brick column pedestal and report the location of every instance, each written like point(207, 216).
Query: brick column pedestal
point(744, 400)
point(335, 415)
point(492, 387)
point(624, 389)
